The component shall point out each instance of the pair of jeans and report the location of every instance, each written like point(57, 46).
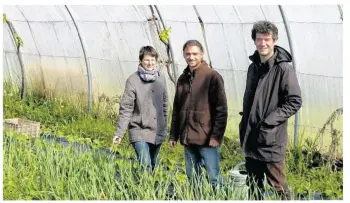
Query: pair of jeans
point(198, 156)
point(147, 154)
point(275, 176)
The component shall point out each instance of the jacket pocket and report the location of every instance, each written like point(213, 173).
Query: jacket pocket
point(135, 120)
point(267, 136)
point(149, 117)
point(204, 128)
point(203, 122)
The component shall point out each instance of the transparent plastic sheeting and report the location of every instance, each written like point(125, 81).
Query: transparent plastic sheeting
point(54, 59)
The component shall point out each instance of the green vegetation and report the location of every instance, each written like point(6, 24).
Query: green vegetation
point(37, 169)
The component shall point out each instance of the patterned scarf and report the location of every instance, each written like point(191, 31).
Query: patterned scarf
point(146, 75)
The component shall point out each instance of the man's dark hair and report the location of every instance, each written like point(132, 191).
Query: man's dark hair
point(193, 43)
point(265, 27)
point(147, 50)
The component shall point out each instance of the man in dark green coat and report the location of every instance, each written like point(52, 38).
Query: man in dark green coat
point(272, 95)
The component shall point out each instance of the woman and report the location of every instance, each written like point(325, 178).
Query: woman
point(144, 109)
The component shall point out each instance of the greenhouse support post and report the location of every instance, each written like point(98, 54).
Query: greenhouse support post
point(169, 41)
point(86, 60)
point(18, 49)
point(341, 12)
point(204, 35)
point(294, 61)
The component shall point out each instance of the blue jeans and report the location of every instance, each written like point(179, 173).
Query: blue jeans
point(147, 154)
point(198, 156)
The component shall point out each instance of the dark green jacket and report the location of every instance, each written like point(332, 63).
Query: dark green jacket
point(272, 95)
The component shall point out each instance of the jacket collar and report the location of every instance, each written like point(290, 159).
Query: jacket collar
point(280, 55)
point(187, 70)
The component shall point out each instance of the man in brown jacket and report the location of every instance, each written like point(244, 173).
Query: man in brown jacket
point(199, 113)
point(272, 95)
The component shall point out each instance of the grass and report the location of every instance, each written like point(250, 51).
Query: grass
point(34, 169)
point(37, 170)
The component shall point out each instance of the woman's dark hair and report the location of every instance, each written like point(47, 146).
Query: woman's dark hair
point(147, 50)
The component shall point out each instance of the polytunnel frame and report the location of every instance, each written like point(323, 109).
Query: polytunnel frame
point(13, 31)
point(88, 68)
point(82, 42)
point(171, 47)
point(203, 32)
point(341, 12)
point(294, 62)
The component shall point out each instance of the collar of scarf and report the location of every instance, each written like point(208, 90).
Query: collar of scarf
point(146, 75)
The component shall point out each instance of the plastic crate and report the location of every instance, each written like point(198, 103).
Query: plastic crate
point(26, 127)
